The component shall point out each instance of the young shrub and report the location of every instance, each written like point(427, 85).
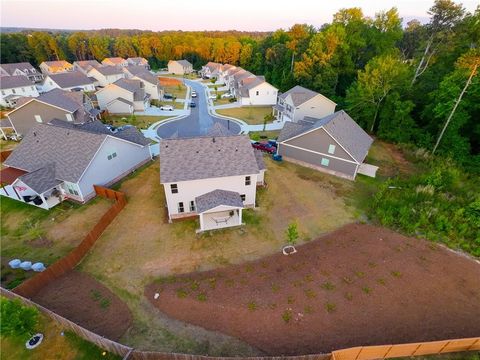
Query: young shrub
point(287, 316)
point(310, 293)
point(182, 293)
point(328, 286)
point(330, 307)
point(202, 297)
point(252, 306)
point(292, 233)
point(18, 320)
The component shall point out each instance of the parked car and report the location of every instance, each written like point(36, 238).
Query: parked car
point(226, 96)
point(166, 107)
point(266, 147)
point(194, 94)
point(167, 96)
point(192, 104)
point(213, 97)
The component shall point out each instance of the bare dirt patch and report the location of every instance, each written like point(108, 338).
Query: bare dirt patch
point(359, 285)
point(83, 300)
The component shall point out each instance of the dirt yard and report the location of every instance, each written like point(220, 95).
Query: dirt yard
point(359, 285)
point(140, 245)
point(83, 300)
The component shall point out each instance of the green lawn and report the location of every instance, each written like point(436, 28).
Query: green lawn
point(179, 91)
point(8, 144)
point(263, 135)
point(139, 121)
point(253, 115)
point(212, 86)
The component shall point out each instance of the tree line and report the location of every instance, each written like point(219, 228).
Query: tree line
point(416, 84)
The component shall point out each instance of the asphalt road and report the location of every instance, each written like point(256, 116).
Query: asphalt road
point(198, 122)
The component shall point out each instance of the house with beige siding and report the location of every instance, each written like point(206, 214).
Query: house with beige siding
point(70, 81)
point(55, 67)
point(74, 107)
point(23, 68)
point(180, 67)
point(123, 97)
point(212, 177)
point(299, 102)
point(334, 144)
point(60, 161)
point(104, 75)
point(14, 87)
point(115, 61)
point(85, 66)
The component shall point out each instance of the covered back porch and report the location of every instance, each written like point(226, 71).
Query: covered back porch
point(219, 209)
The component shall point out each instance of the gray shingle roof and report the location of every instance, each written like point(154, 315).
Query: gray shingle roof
point(147, 76)
point(341, 127)
point(134, 69)
point(42, 179)
point(216, 198)
point(133, 135)
point(87, 64)
point(15, 81)
point(63, 99)
point(115, 60)
point(10, 68)
point(206, 157)
point(70, 79)
point(259, 159)
point(299, 95)
point(109, 70)
point(184, 63)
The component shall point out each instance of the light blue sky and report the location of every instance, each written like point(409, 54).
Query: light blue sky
point(261, 15)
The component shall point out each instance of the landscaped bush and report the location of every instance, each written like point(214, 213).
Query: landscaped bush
point(18, 320)
point(441, 204)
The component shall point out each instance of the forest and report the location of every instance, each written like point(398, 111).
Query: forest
point(414, 84)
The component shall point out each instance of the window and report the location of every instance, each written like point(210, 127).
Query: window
point(14, 91)
point(69, 117)
point(325, 161)
point(33, 88)
point(3, 92)
point(23, 89)
point(51, 83)
point(331, 149)
point(112, 155)
point(192, 206)
point(72, 189)
point(257, 93)
point(242, 197)
point(180, 207)
point(38, 118)
point(247, 180)
point(174, 188)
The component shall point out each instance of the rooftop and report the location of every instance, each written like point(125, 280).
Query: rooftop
point(70, 79)
point(15, 81)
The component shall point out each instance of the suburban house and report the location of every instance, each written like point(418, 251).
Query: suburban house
point(23, 68)
point(256, 91)
point(115, 61)
point(104, 75)
point(124, 96)
point(85, 66)
point(62, 161)
point(228, 76)
point(70, 81)
point(150, 83)
point(334, 144)
point(55, 67)
point(139, 61)
point(211, 70)
point(74, 107)
point(212, 177)
point(14, 87)
point(299, 102)
point(180, 67)
point(131, 70)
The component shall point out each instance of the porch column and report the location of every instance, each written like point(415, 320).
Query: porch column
point(44, 203)
point(240, 216)
point(201, 221)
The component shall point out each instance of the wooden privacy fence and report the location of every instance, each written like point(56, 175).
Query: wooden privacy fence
point(33, 285)
point(4, 155)
point(100, 341)
point(403, 350)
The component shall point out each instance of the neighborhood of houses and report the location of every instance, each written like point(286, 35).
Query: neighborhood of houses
point(65, 149)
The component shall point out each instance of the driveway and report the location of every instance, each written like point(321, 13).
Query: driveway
point(199, 121)
point(155, 111)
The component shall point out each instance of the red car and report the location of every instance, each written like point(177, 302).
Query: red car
point(267, 147)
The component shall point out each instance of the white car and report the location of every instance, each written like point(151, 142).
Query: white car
point(226, 96)
point(194, 94)
point(213, 97)
point(166, 107)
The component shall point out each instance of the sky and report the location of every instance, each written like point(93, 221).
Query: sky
point(157, 15)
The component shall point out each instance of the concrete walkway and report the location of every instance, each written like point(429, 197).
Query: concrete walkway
point(155, 111)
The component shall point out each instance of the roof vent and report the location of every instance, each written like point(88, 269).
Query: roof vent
point(213, 139)
point(34, 133)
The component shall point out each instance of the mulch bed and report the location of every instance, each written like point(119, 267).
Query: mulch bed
point(360, 285)
point(83, 300)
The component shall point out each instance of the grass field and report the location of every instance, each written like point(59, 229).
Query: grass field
point(54, 345)
point(8, 144)
point(139, 121)
point(154, 248)
point(251, 115)
point(33, 234)
point(179, 91)
point(263, 135)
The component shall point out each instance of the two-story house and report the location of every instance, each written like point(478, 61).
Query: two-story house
point(14, 87)
point(211, 70)
point(63, 160)
point(70, 81)
point(115, 61)
point(124, 96)
point(74, 107)
point(23, 68)
point(299, 102)
point(85, 66)
point(213, 178)
point(139, 61)
point(151, 84)
point(180, 67)
point(334, 144)
point(55, 67)
point(256, 91)
point(105, 75)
